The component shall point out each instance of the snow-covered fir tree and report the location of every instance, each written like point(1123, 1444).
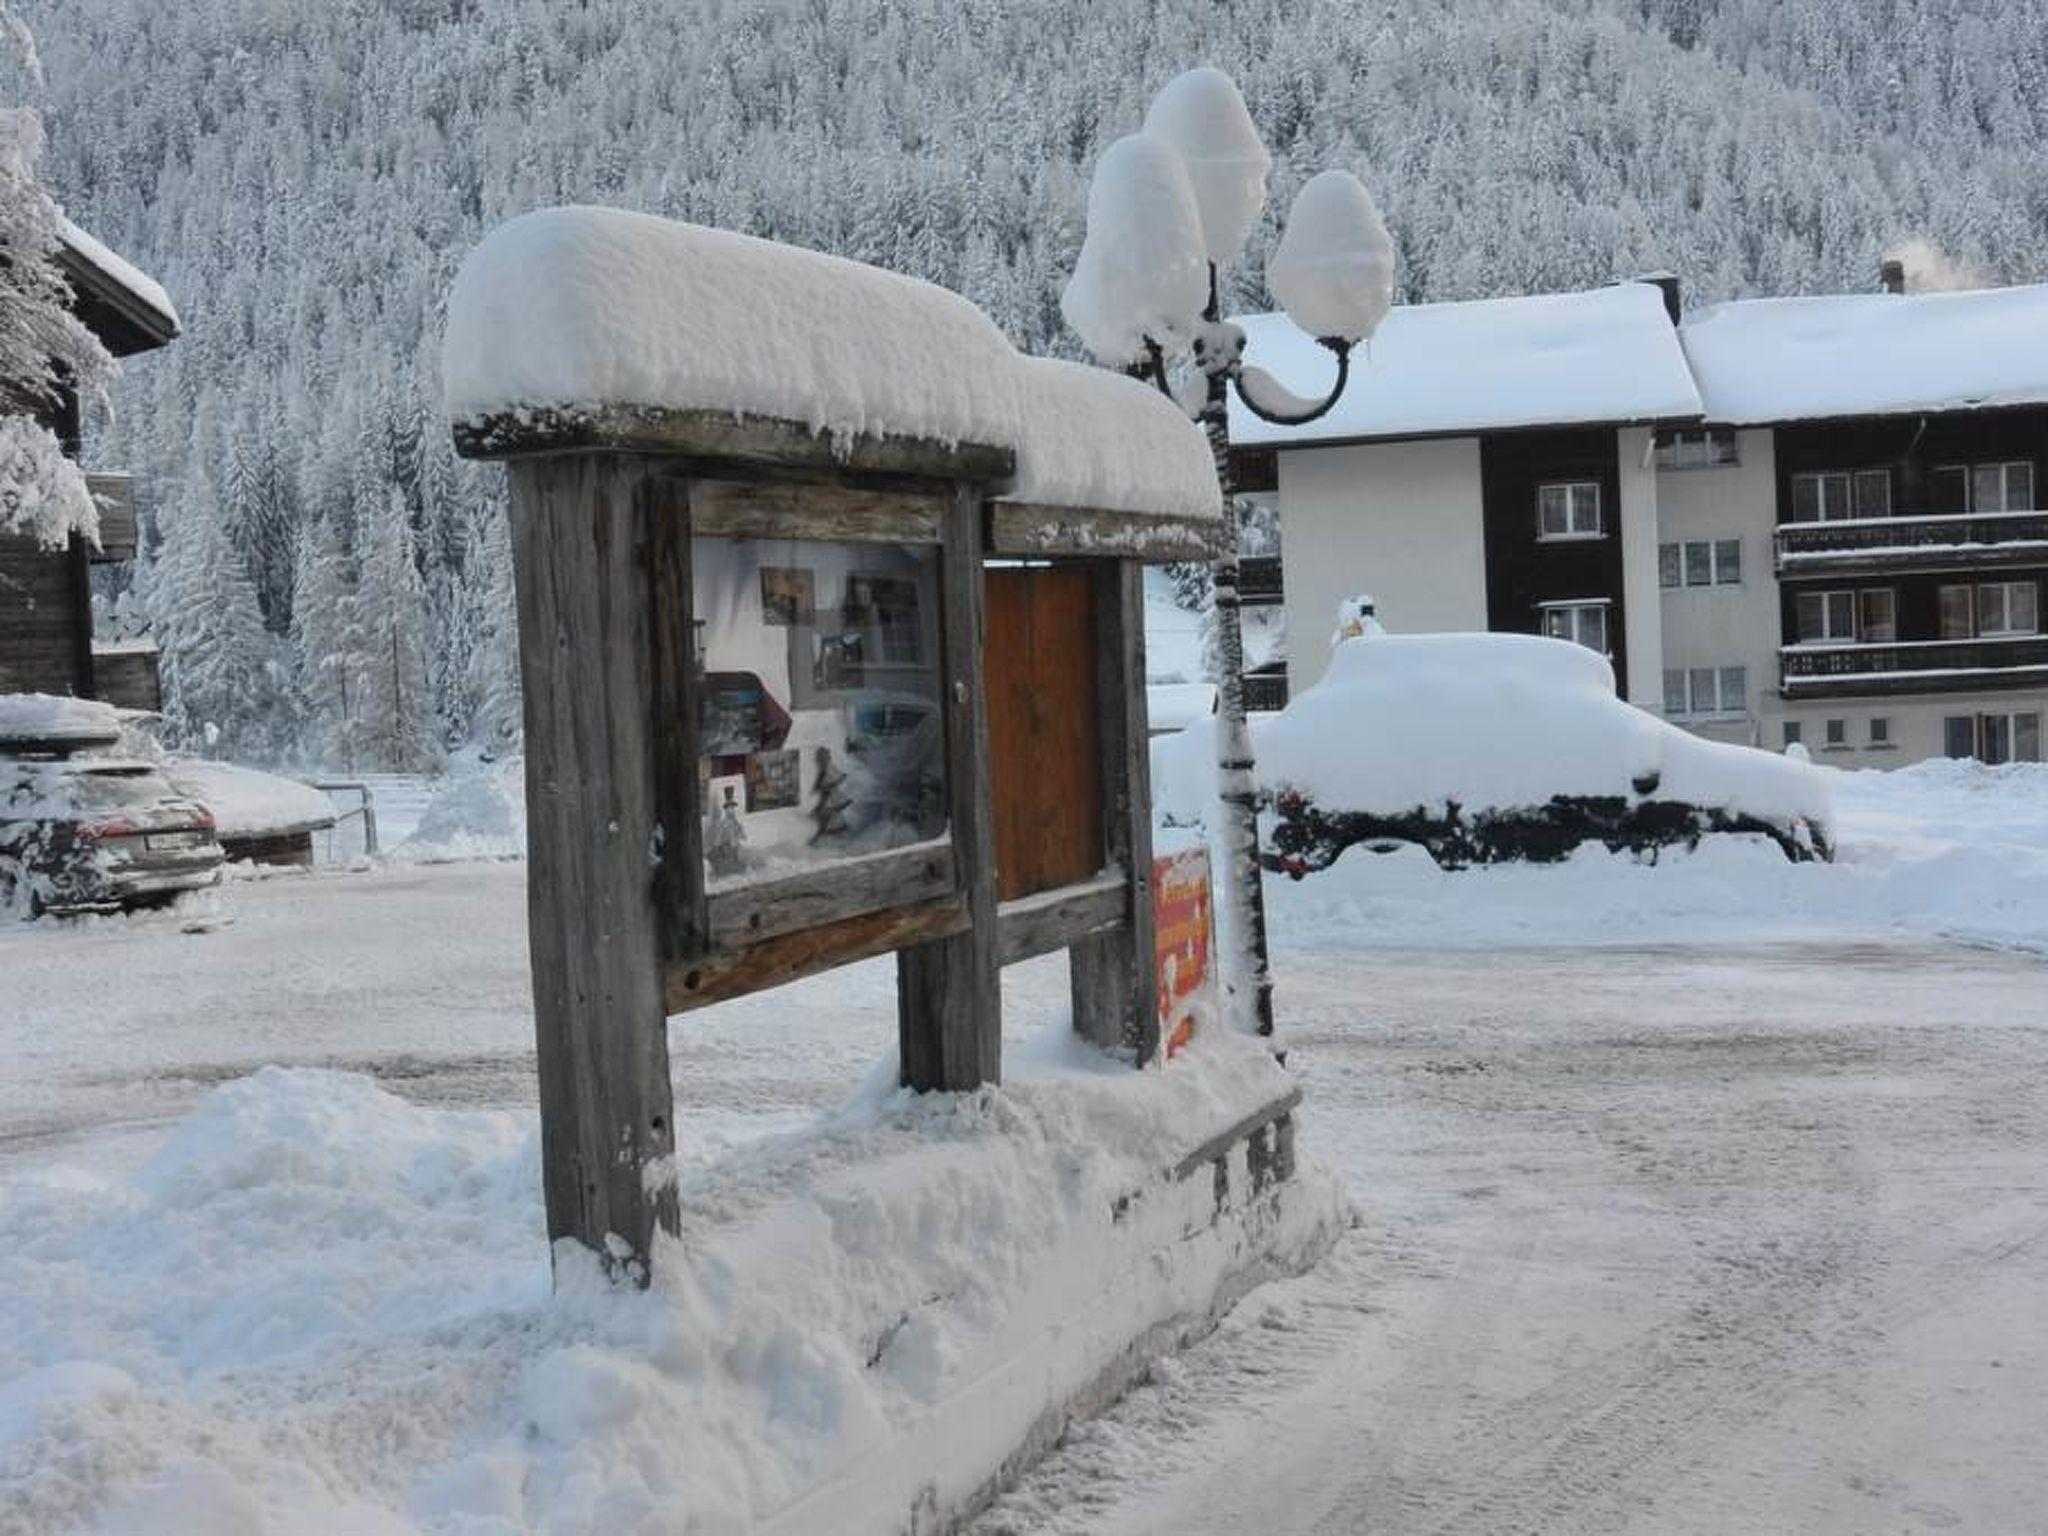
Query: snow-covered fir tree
point(327, 648)
point(396, 709)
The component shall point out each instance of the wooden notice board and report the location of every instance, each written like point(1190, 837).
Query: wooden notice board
point(1044, 727)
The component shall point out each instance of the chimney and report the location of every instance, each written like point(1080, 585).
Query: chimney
point(1665, 283)
point(1891, 272)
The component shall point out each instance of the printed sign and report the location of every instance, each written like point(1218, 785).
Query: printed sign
point(1181, 914)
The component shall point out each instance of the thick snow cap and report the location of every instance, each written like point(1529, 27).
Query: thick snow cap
point(1334, 270)
point(1201, 115)
point(575, 309)
point(578, 308)
point(58, 723)
point(1092, 438)
point(1875, 354)
point(1504, 722)
point(1141, 272)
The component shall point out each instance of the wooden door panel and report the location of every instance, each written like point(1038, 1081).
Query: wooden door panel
point(1044, 727)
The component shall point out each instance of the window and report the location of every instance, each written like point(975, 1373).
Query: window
point(1706, 690)
point(1700, 563)
point(1825, 616)
point(1696, 448)
point(1831, 495)
point(1568, 511)
point(1584, 623)
point(2007, 487)
point(1878, 614)
point(1999, 738)
point(1793, 732)
point(1838, 733)
point(2008, 608)
point(1880, 731)
point(1948, 488)
point(1958, 617)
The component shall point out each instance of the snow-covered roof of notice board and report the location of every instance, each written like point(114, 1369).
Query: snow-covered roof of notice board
point(122, 273)
point(1551, 359)
point(575, 313)
point(1874, 354)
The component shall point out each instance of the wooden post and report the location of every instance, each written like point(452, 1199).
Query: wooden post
point(1115, 978)
point(581, 539)
point(949, 1018)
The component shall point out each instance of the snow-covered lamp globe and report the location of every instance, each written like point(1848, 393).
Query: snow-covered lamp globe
point(1139, 281)
point(1202, 116)
point(1334, 270)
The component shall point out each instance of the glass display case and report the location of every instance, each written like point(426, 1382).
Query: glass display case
point(821, 731)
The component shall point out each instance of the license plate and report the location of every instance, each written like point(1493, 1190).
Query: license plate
point(170, 842)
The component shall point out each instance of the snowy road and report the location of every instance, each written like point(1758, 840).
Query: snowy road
point(1776, 1261)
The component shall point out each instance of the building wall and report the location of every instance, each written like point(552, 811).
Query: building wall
point(1645, 639)
point(1726, 626)
point(1916, 721)
point(1402, 521)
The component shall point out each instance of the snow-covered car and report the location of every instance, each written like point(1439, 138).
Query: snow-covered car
point(99, 834)
point(1486, 747)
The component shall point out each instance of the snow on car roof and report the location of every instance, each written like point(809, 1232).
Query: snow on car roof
point(1869, 354)
point(248, 803)
point(1605, 355)
point(54, 721)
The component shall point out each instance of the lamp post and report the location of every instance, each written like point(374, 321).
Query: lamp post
point(1168, 209)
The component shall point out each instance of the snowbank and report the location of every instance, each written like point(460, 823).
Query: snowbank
point(319, 1308)
point(1500, 722)
point(1869, 354)
point(478, 814)
point(575, 309)
point(1608, 355)
point(248, 803)
point(57, 722)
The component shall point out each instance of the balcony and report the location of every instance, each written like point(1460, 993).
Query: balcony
point(1867, 545)
point(1258, 581)
point(1843, 670)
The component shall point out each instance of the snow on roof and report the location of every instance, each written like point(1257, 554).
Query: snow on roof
point(1087, 437)
point(248, 803)
point(1872, 354)
point(1551, 359)
point(122, 272)
point(577, 308)
point(52, 720)
point(572, 308)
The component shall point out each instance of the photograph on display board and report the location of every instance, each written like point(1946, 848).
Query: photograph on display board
point(788, 595)
point(772, 781)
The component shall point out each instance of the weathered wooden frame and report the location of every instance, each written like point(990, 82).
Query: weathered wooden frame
point(624, 930)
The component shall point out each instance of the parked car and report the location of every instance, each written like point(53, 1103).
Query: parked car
point(82, 834)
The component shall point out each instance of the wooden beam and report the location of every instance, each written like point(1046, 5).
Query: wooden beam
point(1050, 920)
point(1025, 528)
point(581, 554)
point(723, 437)
point(771, 509)
point(1115, 974)
point(907, 877)
point(714, 978)
point(949, 1019)
point(679, 866)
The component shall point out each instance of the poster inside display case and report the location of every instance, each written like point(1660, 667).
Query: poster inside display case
point(819, 668)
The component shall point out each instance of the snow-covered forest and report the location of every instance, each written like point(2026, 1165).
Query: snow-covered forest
point(330, 584)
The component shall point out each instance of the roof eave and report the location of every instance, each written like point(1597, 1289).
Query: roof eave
point(151, 327)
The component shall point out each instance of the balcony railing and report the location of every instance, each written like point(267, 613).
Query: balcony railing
point(1979, 538)
point(1913, 666)
point(115, 495)
point(1258, 581)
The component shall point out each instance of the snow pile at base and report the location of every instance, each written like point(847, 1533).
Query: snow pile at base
point(1865, 354)
point(1092, 438)
point(1940, 850)
point(57, 721)
point(43, 495)
point(1503, 722)
point(321, 1309)
point(577, 309)
point(477, 814)
point(248, 803)
point(1608, 355)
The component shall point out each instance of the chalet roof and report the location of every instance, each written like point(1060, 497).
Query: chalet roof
point(126, 307)
point(1876, 354)
point(1603, 356)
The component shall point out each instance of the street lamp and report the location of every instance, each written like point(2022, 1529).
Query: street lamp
point(1170, 207)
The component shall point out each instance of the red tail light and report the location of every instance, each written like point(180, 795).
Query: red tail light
point(107, 829)
point(204, 821)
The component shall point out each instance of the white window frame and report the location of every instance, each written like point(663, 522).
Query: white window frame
point(2005, 593)
point(1706, 693)
point(1855, 494)
point(1584, 517)
point(1697, 448)
point(1867, 625)
point(1574, 612)
point(2002, 469)
point(1834, 602)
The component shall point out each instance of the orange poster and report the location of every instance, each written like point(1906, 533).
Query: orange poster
point(1181, 914)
